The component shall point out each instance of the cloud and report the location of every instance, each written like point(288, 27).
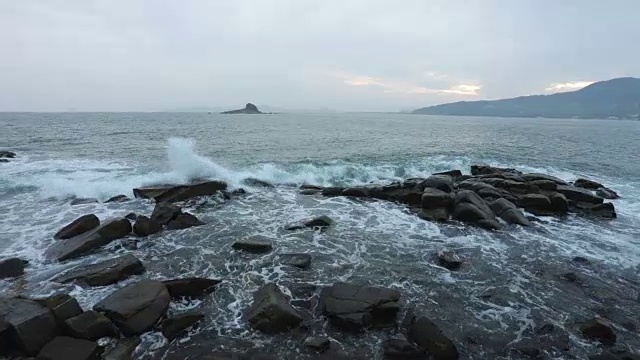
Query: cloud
point(568, 86)
point(402, 87)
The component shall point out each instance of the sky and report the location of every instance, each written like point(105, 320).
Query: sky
point(350, 55)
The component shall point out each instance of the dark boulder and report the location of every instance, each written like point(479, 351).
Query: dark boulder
point(430, 338)
point(510, 185)
point(409, 195)
point(449, 260)
point(354, 307)
point(25, 325)
point(180, 192)
point(508, 212)
point(598, 330)
point(440, 182)
point(91, 325)
point(309, 191)
point(131, 216)
point(118, 199)
point(12, 267)
point(578, 194)
point(253, 182)
point(438, 214)
point(602, 211)
point(165, 212)
point(137, 307)
point(360, 192)
point(402, 349)
point(302, 261)
point(89, 241)
point(7, 154)
point(174, 326)
point(453, 173)
point(317, 222)
point(433, 198)
point(271, 311)
point(587, 184)
point(78, 226)
point(535, 177)
point(476, 186)
point(488, 170)
point(190, 287)
point(255, 244)
point(83, 201)
point(105, 272)
point(534, 201)
point(123, 350)
point(184, 221)
point(548, 185)
point(559, 203)
point(607, 193)
point(317, 343)
point(145, 226)
point(332, 191)
point(471, 208)
point(62, 306)
point(66, 348)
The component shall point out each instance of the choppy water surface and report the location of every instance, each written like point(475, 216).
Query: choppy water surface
point(511, 281)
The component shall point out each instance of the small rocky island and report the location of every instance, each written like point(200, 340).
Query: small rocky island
point(248, 109)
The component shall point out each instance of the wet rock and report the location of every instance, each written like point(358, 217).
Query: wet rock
point(449, 260)
point(581, 260)
point(172, 327)
point(598, 330)
point(184, 221)
point(165, 212)
point(302, 261)
point(434, 198)
point(104, 272)
point(402, 349)
point(253, 182)
point(7, 154)
point(487, 170)
point(453, 173)
point(438, 214)
point(131, 216)
point(511, 185)
point(78, 226)
point(587, 184)
point(548, 185)
point(311, 187)
point(508, 212)
point(535, 177)
point(91, 325)
point(440, 182)
point(309, 191)
point(353, 307)
point(616, 354)
point(4, 160)
point(534, 201)
point(471, 208)
point(332, 191)
point(89, 241)
point(579, 195)
point(559, 203)
point(12, 267)
point(118, 199)
point(570, 277)
point(430, 338)
point(181, 192)
point(317, 343)
point(66, 348)
point(62, 307)
point(82, 201)
point(145, 226)
point(271, 311)
point(360, 192)
point(408, 194)
point(607, 193)
point(255, 244)
point(603, 211)
point(317, 222)
point(26, 326)
point(123, 350)
point(135, 308)
point(191, 287)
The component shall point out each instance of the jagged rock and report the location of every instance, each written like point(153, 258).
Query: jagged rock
point(317, 222)
point(548, 185)
point(440, 182)
point(123, 350)
point(82, 201)
point(433, 198)
point(11, 267)
point(89, 241)
point(104, 272)
point(62, 306)
point(174, 326)
point(578, 194)
point(438, 214)
point(598, 330)
point(401, 349)
point(180, 192)
point(488, 170)
point(353, 307)
point(361, 192)
point(271, 311)
point(255, 244)
point(317, 343)
point(118, 199)
point(534, 177)
point(135, 308)
point(559, 203)
point(508, 212)
point(469, 207)
point(78, 226)
point(91, 325)
point(302, 261)
point(248, 109)
point(7, 154)
point(66, 348)
point(184, 221)
point(449, 259)
point(453, 173)
point(587, 184)
point(145, 226)
point(430, 338)
point(607, 193)
point(332, 191)
point(26, 326)
point(190, 287)
point(257, 183)
point(165, 212)
point(604, 210)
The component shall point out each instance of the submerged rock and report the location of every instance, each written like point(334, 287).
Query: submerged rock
point(105, 272)
point(67, 348)
point(184, 221)
point(271, 311)
point(82, 201)
point(317, 343)
point(26, 326)
point(118, 199)
point(255, 244)
point(191, 287)
point(354, 307)
point(180, 192)
point(607, 193)
point(89, 241)
point(136, 308)
point(317, 222)
point(145, 226)
point(7, 154)
point(431, 339)
point(12, 267)
point(604, 210)
point(257, 183)
point(598, 330)
point(302, 261)
point(449, 259)
point(174, 326)
point(91, 325)
point(78, 226)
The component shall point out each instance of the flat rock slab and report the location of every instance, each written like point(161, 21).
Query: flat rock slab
point(62, 306)
point(66, 348)
point(579, 194)
point(89, 241)
point(176, 325)
point(137, 307)
point(353, 307)
point(29, 325)
point(255, 244)
point(105, 272)
point(78, 226)
point(190, 287)
point(271, 311)
point(180, 192)
point(91, 325)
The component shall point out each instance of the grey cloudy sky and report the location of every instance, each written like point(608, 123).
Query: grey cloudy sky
point(373, 55)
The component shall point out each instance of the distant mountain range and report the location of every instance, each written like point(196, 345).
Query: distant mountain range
point(616, 98)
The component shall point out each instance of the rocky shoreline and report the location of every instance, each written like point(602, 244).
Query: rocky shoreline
point(56, 327)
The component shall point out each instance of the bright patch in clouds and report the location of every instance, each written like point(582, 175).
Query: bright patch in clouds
point(392, 86)
point(568, 86)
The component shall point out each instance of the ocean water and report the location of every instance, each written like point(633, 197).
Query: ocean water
point(100, 155)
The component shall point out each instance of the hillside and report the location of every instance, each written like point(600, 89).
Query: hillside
point(616, 98)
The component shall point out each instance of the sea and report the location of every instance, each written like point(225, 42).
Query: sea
point(512, 282)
